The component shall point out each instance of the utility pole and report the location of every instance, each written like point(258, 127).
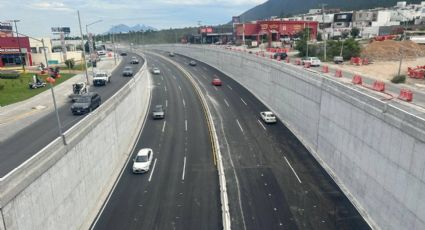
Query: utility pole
point(243, 30)
point(83, 50)
point(19, 43)
point(308, 37)
point(199, 25)
point(325, 38)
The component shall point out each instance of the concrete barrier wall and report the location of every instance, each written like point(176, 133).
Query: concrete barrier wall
point(63, 186)
point(374, 150)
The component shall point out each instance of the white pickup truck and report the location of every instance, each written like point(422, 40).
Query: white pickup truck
point(101, 78)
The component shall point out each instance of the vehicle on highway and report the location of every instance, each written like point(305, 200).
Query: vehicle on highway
point(86, 103)
point(216, 82)
point(101, 78)
point(192, 63)
point(156, 70)
point(101, 52)
point(268, 117)
point(338, 59)
point(158, 112)
point(314, 61)
point(134, 60)
point(128, 71)
point(123, 54)
point(171, 54)
point(78, 89)
point(281, 55)
point(142, 161)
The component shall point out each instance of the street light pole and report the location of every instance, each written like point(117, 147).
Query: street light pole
point(325, 38)
point(90, 43)
point(83, 50)
point(19, 43)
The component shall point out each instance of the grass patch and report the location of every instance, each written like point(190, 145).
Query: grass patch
point(399, 79)
point(15, 90)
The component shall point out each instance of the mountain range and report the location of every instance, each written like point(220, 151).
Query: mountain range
point(121, 28)
point(286, 8)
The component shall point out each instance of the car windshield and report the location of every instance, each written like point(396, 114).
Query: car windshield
point(82, 99)
point(141, 159)
point(158, 109)
point(100, 75)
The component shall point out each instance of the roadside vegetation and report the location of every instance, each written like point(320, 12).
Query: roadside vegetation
point(15, 90)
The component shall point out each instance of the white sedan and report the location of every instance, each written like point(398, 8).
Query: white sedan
point(142, 161)
point(268, 117)
point(156, 71)
point(314, 61)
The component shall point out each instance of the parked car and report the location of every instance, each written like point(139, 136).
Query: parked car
point(143, 160)
point(338, 59)
point(123, 54)
point(156, 71)
point(128, 71)
point(101, 78)
point(216, 82)
point(171, 54)
point(268, 117)
point(314, 61)
point(158, 112)
point(281, 55)
point(134, 60)
point(192, 63)
point(85, 103)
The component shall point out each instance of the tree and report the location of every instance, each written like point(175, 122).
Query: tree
point(70, 63)
point(355, 32)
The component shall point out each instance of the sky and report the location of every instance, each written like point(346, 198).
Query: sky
point(38, 16)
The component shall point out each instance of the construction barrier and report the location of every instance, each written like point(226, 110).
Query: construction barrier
point(278, 58)
point(357, 80)
point(287, 60)
point(406, 95)
point(355, 61)
point(307, 65)
point(365, 61)
point(271, 56)
point(379, 86)
point(298, 62)
point(338, 73)
point(325, 69)
point(416, 72)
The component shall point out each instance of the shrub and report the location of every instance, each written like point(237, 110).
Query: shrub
point(1, 87)
point(70, 63)
point(9, 74)
point(398, 79)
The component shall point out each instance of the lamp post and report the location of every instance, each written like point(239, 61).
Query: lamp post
point(83, 50)
point(19, 43)
point(51, 87)
point(91, 44)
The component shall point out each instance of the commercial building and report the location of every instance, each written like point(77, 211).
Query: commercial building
point(10, 53)
point(273, 32)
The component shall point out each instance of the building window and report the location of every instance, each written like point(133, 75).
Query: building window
point(41, 49)
point(34, 50)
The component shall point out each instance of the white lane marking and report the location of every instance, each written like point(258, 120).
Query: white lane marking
point(185, 125)
point(174, 77)
point(184, 103)
point(180, 88)
point(226, 103)
point(228, 86)
point(165, 87)
point(215, 87)
point(244, 102)
point(262, 124)
point(153, 168)
point(163, 126)
point(293, 170)
point(239, 125)
point(204, 77)
point(162, 78)
point(166, 103)
point(184, 167)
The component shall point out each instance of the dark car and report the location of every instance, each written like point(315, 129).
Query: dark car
point(123, 54)
point(85, 103)
point(128, 71)
point(281, 55)
point(192, 63)
point(171, 54)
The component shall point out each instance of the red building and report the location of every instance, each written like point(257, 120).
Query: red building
point(9, 51)
point(272, 31)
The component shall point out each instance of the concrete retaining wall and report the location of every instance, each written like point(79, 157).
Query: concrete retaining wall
point(63, 186)
point(374, 150)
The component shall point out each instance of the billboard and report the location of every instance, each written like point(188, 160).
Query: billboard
point(6, 29)
point(236, 19)
point(209, 30)
point(65, 30)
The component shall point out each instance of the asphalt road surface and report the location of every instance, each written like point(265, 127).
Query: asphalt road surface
point(181, 189)
point(273, 182)
point(27, 142)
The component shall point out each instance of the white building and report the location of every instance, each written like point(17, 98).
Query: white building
point(37, 53)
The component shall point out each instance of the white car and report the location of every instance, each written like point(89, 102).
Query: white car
point(268, 117)
point(142, 161)
point(314, 61)
point(156, 71)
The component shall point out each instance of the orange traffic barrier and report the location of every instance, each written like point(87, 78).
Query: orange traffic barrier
point(298, 62)
point(357, 80)
point(325, 69)
point(406, 95)
point(271, 56)
point(287, 60)
point(338, 73)
point(365, 61)
point(307, 65)
point(379, 86)
point(278, 58)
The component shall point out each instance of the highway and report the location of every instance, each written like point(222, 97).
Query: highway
point(27, 142)
point(273, 182)
point(181, 189)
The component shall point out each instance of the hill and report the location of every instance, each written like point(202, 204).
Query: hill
point(121, 28)
point(286, 8)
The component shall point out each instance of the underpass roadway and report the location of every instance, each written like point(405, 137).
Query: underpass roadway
point(181, 189)
point(273, 181)
point(20, 147)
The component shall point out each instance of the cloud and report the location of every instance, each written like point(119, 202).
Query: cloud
point(55, 6)
point(213, 2)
